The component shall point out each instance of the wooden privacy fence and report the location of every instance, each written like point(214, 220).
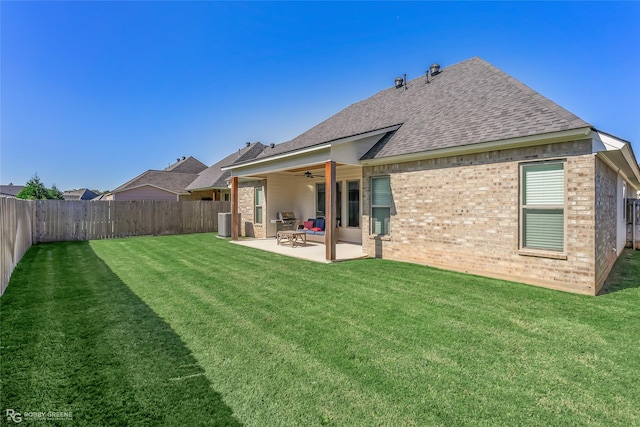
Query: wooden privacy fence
point(16, 235)
point(60, 220)
point(25, 222)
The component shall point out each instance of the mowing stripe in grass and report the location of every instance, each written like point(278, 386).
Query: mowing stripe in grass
point(410, 344)
point(374, 342)
point(77, 340)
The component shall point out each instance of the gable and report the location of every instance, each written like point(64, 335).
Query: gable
point(146, 192)
point(173, 182)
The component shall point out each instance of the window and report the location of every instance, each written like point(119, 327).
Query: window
point(542, 210)
point(338, 203)
point(321, 200)
point(353, 203)
point(380, 204)
point(258, 202)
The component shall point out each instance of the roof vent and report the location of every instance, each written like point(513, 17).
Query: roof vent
point(434, 69)
point(401, 81)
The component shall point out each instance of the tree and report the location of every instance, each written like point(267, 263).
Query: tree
point(35, 190)
point(54, 194)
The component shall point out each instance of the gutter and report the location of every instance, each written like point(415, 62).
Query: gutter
point(523, 141)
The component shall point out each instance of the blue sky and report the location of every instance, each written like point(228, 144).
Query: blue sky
point(95, 93)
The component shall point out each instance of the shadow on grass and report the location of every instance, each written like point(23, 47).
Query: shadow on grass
point(76, 339)
point(625, 273)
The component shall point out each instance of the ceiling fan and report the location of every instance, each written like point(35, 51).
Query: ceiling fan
point(308, 174)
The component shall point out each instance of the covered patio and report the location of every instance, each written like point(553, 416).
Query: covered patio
point(311, 251)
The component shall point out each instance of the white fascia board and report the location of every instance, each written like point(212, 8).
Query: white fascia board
point(632, 163)
point(365, 135)
point(615, 160)
point(524, 141)
point(313, 149)
point(278, 157)
point(630, 171)
point(304, 160)
point(610, 142)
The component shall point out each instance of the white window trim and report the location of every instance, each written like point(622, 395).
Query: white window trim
point(536, 252)
point(256, 205)
point(372, 206)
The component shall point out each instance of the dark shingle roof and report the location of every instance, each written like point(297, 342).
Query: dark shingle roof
point(467, 103)
point(173, 178)
point(10, 190)
point(215, 177)
point(187, 165)
point(81, 194)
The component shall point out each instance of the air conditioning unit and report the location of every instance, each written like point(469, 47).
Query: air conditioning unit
point(224, 224)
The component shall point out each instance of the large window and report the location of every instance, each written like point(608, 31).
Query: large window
point(321, 200)
point(258, 204)
point(542, 208)
point(380, 204)
point(353, 203)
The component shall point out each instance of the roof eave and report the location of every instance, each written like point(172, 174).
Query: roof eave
point(318, 147)
point(148, 185)
point(523, 141)
point(618, 154)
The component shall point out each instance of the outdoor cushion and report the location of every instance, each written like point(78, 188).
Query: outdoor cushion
point(308, 225)
point(316, 229)
point(319, 222)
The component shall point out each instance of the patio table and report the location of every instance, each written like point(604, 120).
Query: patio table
point(293, 237)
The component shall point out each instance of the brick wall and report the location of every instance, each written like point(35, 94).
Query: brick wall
point(606, 189)
point(246, 202)
point(462, 213)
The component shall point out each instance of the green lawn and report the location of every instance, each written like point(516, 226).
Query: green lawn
point(193, 330)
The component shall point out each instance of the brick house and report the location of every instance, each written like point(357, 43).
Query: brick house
point(213, 182)
point(465, 169)
point(167, 184)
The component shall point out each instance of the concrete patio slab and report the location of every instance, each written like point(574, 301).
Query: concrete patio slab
point(312, 251)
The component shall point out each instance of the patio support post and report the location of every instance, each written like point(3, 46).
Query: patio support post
point(234, 208)
point(330, 235)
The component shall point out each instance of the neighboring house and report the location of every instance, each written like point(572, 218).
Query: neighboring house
point(104, 197)
point(167, 184)
point(10, 190)
point(213, 182)
point(82, 194)
point(464, 168)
